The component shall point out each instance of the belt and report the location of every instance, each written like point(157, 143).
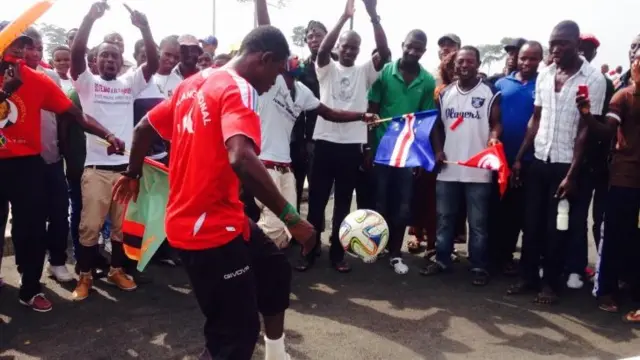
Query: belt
point(279, 167)
point(114, 168)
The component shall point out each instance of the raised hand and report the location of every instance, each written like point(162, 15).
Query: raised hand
point(98, 9)
point(138, 19)
point(371, 6)
point(12, 79)
point(350, 8)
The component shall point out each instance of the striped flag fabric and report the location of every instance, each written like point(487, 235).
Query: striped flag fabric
point(406, 142)
point(143, 224)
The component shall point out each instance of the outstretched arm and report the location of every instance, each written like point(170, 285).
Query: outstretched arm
point(140, 21)
point(262, 12)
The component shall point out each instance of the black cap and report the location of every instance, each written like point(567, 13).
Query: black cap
point(449, 37)
point(515, 44)
point(21, 37)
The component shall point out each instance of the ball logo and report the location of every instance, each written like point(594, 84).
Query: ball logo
point(489, 162)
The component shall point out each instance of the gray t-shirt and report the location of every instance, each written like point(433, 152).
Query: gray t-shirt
point(49, 130)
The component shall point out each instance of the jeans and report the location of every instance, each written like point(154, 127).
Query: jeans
point(449, 196)
point(332, 163)
point(57, 208)
point(23, 186)
point(4, 217)
point(394, 189)
point(618, 247)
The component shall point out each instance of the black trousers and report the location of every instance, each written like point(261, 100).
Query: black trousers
point(23, 185)
point(337, 164)
point(301, 159)
point(541, 239)
point(620, 244)
point(506, 221)
point(57, 207)
point(234, 282)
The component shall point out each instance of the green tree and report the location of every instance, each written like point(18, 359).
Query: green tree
point(299, 36)
point(494, 53)
point(52, 36)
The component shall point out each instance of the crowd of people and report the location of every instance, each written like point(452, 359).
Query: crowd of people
point(242, 132)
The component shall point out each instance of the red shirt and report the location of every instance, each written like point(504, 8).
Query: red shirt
point(204, 208)
point(20, 120)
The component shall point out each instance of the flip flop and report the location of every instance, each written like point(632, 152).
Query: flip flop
point(632, 317)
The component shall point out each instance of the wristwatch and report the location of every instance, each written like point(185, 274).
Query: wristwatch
point(131, 175)
point(375, 19)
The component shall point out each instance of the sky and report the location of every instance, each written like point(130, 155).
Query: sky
point(233, 20)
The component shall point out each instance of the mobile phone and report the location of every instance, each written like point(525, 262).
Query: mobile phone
point(128, 8)
point(583, 90)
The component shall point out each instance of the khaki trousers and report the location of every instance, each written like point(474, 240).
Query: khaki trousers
point(269, 222)
point(97, 203)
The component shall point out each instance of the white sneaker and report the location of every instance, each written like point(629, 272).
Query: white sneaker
point(575, 282)
point(541, 273)
point(399, 266)
point(107, 246)
point(60, 273)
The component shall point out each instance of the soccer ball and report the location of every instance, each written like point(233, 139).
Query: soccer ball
point(364, 233)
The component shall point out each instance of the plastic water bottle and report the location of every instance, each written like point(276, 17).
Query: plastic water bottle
point(562, 219)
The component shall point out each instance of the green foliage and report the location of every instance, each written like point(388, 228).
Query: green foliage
point(52, 36)
point(299, 36)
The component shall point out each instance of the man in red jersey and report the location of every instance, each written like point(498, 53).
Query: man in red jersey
point(235, 270)
point(24, 94)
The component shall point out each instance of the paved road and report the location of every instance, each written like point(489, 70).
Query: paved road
point(369, 314)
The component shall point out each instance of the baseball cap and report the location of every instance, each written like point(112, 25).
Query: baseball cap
point(515, 44)
point(590, 38)
point(449, 37)
point(188, 40)
point(209, 40)
point(22, 37)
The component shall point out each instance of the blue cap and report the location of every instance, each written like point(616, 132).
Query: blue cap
point(210, 40)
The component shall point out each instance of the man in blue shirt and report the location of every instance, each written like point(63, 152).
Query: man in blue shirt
point(518, 90)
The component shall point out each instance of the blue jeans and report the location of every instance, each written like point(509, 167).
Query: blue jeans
point(448, 199)
point(394, 189)
point(57, 207)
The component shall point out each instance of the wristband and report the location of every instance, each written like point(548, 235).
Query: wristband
point(131, 175)
point(289, 215)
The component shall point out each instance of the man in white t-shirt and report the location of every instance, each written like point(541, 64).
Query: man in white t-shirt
point(108, 98)
point(278, 109)
point(339, 147)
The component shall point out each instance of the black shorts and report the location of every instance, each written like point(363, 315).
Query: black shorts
point(232, 284)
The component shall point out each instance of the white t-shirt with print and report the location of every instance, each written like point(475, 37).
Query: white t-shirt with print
point(110, 102)
point(278, 113)
point(154, 90)
point(344, 88)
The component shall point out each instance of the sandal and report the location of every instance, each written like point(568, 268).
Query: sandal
point(415, 246)
point(342, 267)
point(433, 268)
point(399, 266)
point(480, 278)
point(303, 264)
point(606, 303)
point(546, 297)
point(632, 317)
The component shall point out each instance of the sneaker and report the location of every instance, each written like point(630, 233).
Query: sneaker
point(85, 283)
point(60, 273)
point(575, 282)
point(38, 303)
point(119, 278)
point(399, 266)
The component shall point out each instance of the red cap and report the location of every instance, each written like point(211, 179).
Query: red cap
point(590, 37)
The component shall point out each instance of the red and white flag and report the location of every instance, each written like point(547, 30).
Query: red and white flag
point(492, 158)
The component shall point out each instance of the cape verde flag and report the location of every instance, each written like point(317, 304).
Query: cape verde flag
point(406, 142)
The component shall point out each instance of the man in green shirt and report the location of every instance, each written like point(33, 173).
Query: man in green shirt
point(403, 86)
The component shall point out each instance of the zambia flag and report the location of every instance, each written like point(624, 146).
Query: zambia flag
point(143, 225)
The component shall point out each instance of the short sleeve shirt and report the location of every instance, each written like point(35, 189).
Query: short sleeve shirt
point(110, 102)
point(625, 108)
point(344, 88)
point(278, 113)
point(204, 209)
point(397, 98)
point(20, 114)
